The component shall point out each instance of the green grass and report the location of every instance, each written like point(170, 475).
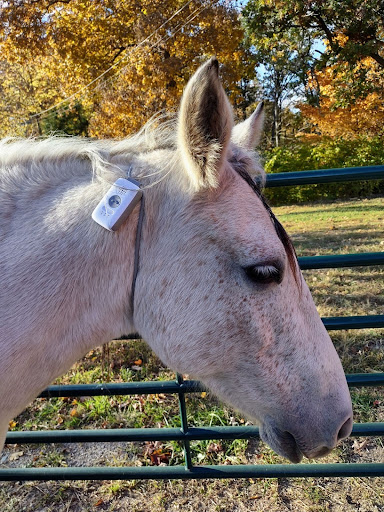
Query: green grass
point(340, 227)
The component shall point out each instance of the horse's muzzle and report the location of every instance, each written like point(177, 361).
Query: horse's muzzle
point(282, 442)
point(286, 444)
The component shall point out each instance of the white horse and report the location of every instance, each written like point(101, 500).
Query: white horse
point(218, 294)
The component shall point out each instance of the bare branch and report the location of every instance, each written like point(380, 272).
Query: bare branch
point(327, 31)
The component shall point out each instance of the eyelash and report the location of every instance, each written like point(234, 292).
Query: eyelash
point(264, 274)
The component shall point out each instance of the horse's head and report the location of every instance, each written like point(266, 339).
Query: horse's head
point(219, 293)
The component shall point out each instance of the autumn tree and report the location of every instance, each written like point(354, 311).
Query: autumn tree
point(348, 107)
point(352, 61)
point(361, 21)
point(283, 61)
point(145, 52)
point(29, 84)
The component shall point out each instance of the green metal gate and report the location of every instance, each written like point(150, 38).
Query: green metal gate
point(185, 434)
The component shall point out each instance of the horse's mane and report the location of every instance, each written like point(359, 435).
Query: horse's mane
point(25, 161)
point(157, 133)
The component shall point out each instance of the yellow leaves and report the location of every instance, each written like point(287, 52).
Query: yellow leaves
point(341, 39)
point(12, 424)
point(16, 455)
point(52, 51)
point(361, 115)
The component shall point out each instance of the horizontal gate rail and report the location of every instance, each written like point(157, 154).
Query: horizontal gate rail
point(196, 472)
point(341, 260)
point(284, 179)
point(122, 388)
point(337, 323)
point(160, 434)
point(170, 386)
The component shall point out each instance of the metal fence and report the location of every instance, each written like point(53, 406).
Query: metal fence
point(186, 434)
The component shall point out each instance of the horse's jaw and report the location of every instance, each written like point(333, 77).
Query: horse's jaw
point(293, 426)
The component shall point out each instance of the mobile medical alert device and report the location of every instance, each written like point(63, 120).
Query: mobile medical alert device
point(117, 204)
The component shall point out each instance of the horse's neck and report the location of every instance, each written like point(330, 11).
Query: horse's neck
point(65, 280)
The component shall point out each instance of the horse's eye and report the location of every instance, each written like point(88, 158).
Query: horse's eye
point(264, 274)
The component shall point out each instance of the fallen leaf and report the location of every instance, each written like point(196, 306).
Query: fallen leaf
point(360, 446)
point(15, 456)
point(156, 453)
point(159, 457)
point(215, 448)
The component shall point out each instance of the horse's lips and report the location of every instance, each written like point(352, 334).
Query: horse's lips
point(281, 442)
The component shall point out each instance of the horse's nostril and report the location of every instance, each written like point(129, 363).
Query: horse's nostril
point(345, 429)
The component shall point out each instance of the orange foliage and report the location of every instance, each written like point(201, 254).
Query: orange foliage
point(359, 115)
point(51, 49)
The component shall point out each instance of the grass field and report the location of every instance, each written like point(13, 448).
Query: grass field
point(338, 227)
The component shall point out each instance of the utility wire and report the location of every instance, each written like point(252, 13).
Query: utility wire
point(99, 77)
point(192, 16)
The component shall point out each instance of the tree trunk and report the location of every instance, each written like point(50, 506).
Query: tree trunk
point(276, 122)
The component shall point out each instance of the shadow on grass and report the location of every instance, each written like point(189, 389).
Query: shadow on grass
point(334, 208)
point(316, 241)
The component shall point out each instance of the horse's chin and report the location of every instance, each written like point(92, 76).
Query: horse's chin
point(282, 442)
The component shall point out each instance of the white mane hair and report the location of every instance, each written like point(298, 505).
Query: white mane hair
point(24, 161)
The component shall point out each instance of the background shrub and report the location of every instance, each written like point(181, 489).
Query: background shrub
point(324, 154)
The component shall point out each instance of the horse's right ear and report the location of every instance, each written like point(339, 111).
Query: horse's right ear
point(248, 133)
point(205, 124)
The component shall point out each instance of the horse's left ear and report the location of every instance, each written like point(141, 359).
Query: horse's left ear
point(248, 133)
point(205, 125)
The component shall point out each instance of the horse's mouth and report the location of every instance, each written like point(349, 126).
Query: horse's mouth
point(282, 442)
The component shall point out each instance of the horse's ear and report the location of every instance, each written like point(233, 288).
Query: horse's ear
point(205, 125)
point(248, 133)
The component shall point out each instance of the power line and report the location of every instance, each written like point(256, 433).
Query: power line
point(192, 16)
point(99, 77)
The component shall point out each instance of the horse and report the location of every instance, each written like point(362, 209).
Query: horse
point(202, 269)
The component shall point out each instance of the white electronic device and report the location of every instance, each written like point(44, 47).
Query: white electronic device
point(117, 204)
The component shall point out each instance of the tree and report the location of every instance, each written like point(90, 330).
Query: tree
point(284, 62)
point(349, 107)
point(27, 86)
point(285, 33)
point(145, 50)
point(361, 21)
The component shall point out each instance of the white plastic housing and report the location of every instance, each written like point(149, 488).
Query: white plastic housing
point(117, 204)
